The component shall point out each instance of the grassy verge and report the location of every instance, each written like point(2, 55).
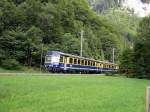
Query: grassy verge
point(21, 70)
point(71, 94)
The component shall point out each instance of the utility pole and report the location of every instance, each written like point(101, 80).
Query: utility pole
point(41, 58)
point(113, 55)
point(81, 49)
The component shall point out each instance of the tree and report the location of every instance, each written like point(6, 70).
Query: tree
point(142, 49)
point(127, 64)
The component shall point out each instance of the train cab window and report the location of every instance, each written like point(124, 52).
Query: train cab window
point(48, 59)
point(61, 59)
point(75, 61)
point(70, 60)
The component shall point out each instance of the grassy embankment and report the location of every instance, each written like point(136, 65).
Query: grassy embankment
point(71, 94)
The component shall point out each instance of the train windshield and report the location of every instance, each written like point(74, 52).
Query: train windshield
point(48, 59)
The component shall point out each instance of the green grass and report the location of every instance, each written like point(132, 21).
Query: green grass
point(71, 94)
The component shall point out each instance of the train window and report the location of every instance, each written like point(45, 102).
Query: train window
point(70, 60)
point(99, 65)
point(79, 61)
point(82, 62)
point(75, 61)
point(61, 59)
point(89, 62)
point(93, 63)
point(48, 59)
point(85, 62)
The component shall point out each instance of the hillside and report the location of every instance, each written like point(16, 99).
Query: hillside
point(57, 25)
point(122, 18)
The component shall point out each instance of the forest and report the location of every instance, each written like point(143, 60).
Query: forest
point(28, 26)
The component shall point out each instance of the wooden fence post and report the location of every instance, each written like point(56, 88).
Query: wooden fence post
point(148, 100)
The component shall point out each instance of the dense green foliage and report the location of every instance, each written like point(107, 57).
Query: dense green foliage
point(142, 49)
point(71, 93)
point(127, 64)
point(26, 24)
point(138, 59)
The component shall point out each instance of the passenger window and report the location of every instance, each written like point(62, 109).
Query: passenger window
point(61, 59)
point(82, 62)
point(85, 62)
point(92, 63)
point(79, 61)
point(70, 60)
point(89, 63)
point(75, 61)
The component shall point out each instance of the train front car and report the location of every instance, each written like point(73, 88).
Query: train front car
point(52, 61)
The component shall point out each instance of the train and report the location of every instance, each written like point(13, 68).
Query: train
point(56, 62)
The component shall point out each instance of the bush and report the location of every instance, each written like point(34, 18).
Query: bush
point(11, 64)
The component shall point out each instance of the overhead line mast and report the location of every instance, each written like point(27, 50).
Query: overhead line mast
point(81, 49)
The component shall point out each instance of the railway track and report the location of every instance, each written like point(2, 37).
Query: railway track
point(47, 74)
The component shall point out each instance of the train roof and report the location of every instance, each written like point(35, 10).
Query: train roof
point(66, 54)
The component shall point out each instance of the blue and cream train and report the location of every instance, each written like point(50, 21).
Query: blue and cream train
point(62, 62)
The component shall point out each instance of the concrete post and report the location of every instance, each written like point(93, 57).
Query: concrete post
point(148, 100)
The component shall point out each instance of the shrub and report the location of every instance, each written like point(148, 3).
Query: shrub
point(11, 64)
